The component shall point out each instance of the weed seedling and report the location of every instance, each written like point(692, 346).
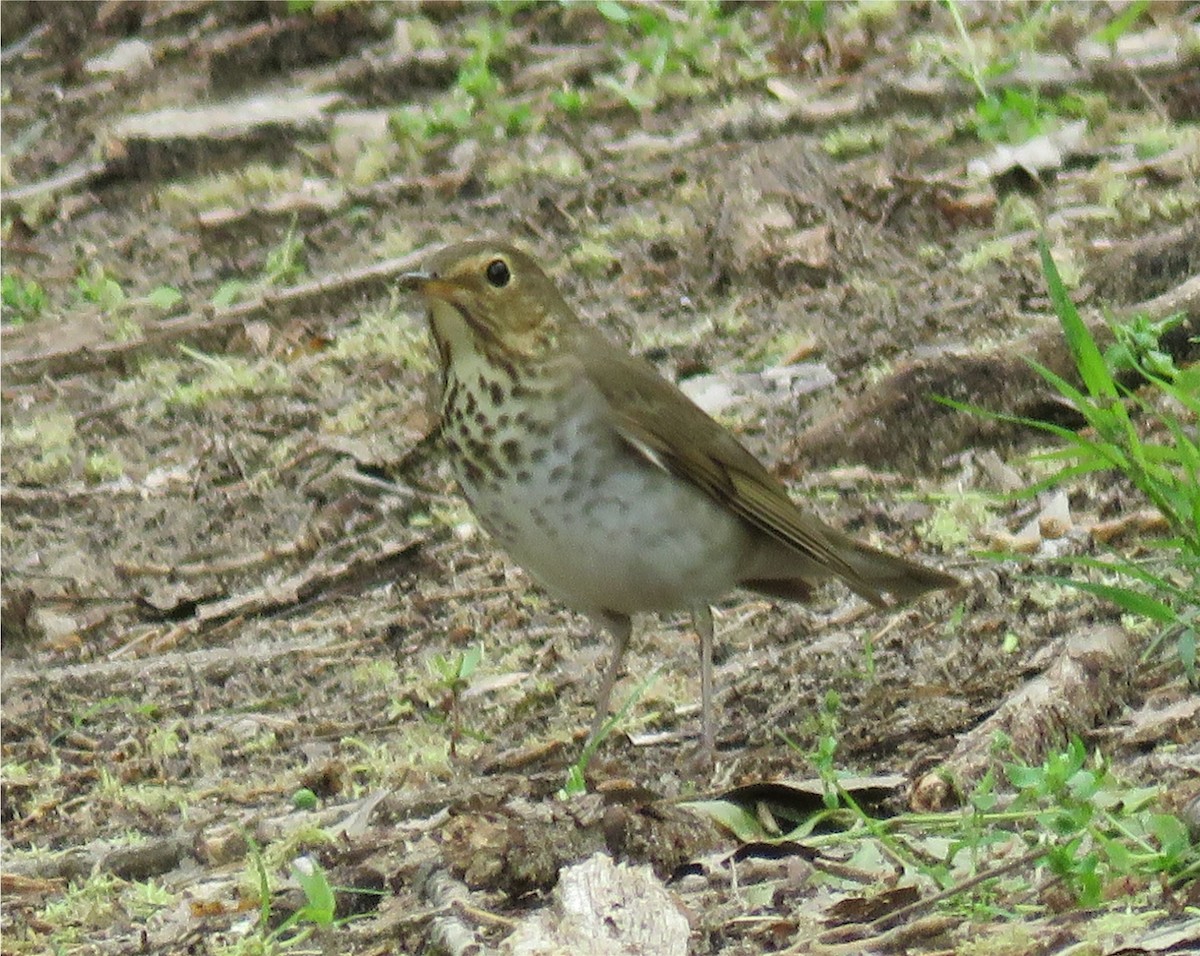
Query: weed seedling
point(826, 749)
point(571, 100)
point(99, 288)
point(320, 901)
point(164, 297)
point(285, 263)
point(1138, 346)
point(1119, 25)
point(1095, 832)
point(453, 676)
point(576, 782)
point(23, 299)
point(1064, 823)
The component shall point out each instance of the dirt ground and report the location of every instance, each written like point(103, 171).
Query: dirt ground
point(241, 594)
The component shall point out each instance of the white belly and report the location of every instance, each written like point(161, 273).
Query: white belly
point(603, 529)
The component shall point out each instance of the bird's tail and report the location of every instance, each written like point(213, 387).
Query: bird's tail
point(878, 572)
point(868, 572)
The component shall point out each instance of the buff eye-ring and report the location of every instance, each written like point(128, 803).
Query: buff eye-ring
point(497, 273)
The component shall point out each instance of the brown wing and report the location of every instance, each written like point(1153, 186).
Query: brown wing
point(656, 419)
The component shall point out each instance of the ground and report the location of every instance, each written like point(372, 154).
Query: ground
point(248, 621)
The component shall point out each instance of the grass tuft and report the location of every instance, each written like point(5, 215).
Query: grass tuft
point(1141, 418)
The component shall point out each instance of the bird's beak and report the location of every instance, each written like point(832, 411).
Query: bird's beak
point(429, 285)
point(414, 280)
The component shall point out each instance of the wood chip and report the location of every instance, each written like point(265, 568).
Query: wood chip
point(605, 909)
point(1088, 679)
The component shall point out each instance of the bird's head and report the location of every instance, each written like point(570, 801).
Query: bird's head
point(487, 299)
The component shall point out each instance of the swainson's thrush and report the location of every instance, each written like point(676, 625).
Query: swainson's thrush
point(603, 480)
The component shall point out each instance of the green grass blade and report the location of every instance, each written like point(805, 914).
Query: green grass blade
point(1185, 389)
point(1088, 358)
point(1064, 474)
point(1107, 454)
point(1120, 566)
point(1108, 419)
point(1061, 385)
point(1049, 427)
point(1129, 600)
point(1186, 450)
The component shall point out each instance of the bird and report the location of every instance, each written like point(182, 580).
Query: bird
point(608, 485)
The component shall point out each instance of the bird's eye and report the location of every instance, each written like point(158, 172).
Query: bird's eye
point(497, 273)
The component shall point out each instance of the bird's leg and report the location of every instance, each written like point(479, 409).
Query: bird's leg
point(702, 620)
point(621, 627)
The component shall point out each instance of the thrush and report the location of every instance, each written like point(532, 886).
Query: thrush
point(603, 480)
